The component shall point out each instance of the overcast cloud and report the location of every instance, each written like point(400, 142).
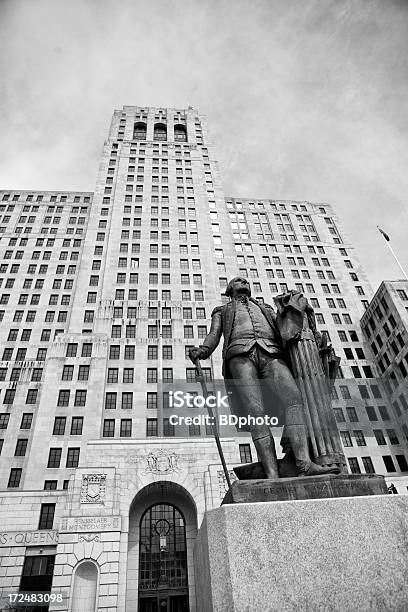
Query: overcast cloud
point(306, 99)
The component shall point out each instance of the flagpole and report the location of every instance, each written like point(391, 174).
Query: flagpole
point(387, 240)
point(397, 260)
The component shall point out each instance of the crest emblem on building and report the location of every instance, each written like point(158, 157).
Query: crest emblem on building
point(93, 489)
point(162, 462)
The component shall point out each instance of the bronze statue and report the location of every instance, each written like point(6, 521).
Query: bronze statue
point(256, 343)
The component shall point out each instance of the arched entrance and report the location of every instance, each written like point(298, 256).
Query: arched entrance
point(162, 533)
point(163, 581)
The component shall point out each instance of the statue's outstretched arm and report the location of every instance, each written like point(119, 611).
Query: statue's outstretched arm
point(212, 339)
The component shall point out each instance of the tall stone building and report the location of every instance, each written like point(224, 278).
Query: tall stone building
point(385, 325)
point(100, 294)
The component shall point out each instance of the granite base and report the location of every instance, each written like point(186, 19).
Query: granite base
point(328, 555)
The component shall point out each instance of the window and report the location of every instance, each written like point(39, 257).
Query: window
point(354, 466)
point(21, 447)
point(46, 516)
point(128, 375)
point(108, 428)
point(351, 413)
point(379, 436)
point(50, 485)
point(127, 400)
point(72, 458)
point(14, 478)
point(26, 420)
point(110, 400)
point(389, 464)
point(72, 350)
point(167, 375)
point(371, 413)
point(76, 426)
point(83, 373)
point(151, 428)
point(402, 463)
point(125, 428)
point(129, 352)
point(338, 413)
point(151, 375)
point(151, 401)
point(59, 426)
point(114, 352)
point(345, 438)
point(368, 465)
point(80, 398)
point(152, 352)
point(9, 396)
point(54, 458)
point(392, 436)
point(245, 453)
point(359, 436)
point(168, 428)
point(67, 372)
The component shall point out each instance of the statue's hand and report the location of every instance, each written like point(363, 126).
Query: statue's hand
point(196, 353)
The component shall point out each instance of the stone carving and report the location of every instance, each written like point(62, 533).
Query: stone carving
point(93, 489)
point(86, 524)
point(162, 462)
point(90, 537)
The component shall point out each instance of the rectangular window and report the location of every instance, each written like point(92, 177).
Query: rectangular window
point(151, 428)
point(21, 447)
point(26, 420)
point(368, 465)
point(389, 463)
point(125, 428)
point(14, 478)
point(168, 428)
point(54, 458)
point(110, 401)
point(108, 428)
point(151, 400)
point(80, 398)
point(345, 438)
point(72, 458)
point(83, 373)
point(76, 426)
point(46, 516)
point(359, 436)
point(59, 426)
point(354, 466)
point(379, 436)
point(245, 453)
point(127, 400)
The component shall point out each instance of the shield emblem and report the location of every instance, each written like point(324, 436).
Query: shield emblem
point(93, 490)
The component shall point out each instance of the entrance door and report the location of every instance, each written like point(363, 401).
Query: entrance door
point(163, 580)
point(164, 603)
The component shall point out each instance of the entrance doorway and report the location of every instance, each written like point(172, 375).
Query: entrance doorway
point(163, 577)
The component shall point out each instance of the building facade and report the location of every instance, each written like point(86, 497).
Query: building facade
point(101, 296)
point(385, 325)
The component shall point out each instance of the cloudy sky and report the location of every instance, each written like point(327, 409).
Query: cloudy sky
point(306, 99)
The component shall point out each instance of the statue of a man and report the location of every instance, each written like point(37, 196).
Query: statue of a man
point(253, 360)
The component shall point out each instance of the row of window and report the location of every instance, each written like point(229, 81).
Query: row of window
point(40, 197)
point(361, 441)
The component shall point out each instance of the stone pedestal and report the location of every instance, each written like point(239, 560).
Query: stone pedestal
point(328, 555)
point(307, 487)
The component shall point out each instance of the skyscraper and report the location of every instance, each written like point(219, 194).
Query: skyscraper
point(101, 293)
